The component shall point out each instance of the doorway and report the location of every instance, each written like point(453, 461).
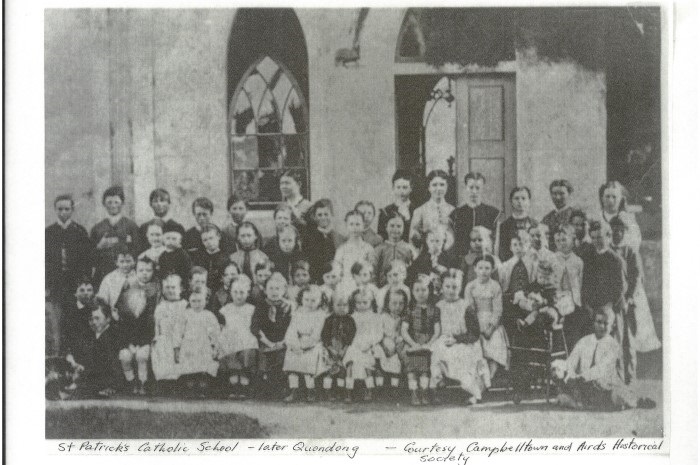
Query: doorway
point(458, 123)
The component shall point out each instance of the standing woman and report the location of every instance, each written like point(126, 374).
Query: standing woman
point(436, 211)
point(613, 201)
point(520, 218)
point(290, 187)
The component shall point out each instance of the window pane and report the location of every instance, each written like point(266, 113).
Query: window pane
point(256, 87)
point(295, 150)
point(243, 116)
point(268, 134)
point(268, 115)
point(270, 151)
point(244, 152)
point(262, 186)
point(294, 118)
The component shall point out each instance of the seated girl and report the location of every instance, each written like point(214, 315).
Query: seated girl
point(457, 354)
point(359, 360)
point(484, 297)
point(303, 341)
point(238, 347)
point(135, 308)
point(269, 325)
point(167, 316)
point(393, 307)
point(195, 344)
point(337, 335)
point(420, 328)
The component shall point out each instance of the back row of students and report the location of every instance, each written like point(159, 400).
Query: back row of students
point(568, 285)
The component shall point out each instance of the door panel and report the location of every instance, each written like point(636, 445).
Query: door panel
point(486, 135)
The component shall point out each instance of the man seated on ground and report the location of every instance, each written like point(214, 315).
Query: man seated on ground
point(100, 372)
point(591, 376)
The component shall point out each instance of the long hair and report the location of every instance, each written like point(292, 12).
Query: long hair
point(258, 236)
point(620, 188)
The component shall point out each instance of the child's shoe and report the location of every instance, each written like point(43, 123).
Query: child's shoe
point(435, 397)
point(135, 387)
point(368, 397)
point(415, 398)
point(293, 395)
point(348, 396)
point(424, 399)
point(142, 389)
point(311, 395)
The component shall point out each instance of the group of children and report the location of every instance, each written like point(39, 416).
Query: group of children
point(425, 299)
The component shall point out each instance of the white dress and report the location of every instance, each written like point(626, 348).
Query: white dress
point(197, 336)
point(361, 352)
point(461, 362)
point(391, 331)
point(235, 335)
point(645, 340)
point(303, 341)
point(349, 253)
point(167, 316)
point(487, 301)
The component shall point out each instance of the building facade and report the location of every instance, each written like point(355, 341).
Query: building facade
point(210, 102)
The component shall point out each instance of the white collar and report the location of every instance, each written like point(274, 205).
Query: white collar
point(471, 205)
point(325, 231)
point(79, 305)
point(438, 204)
point(400, 204)
point(559, 210)
point(97, 335)
point(64, 225)
point(520, 216)
point(114, 219)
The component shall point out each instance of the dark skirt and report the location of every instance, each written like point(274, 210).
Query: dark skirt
point(271, 361)
point(245, 360)
point(416, 362)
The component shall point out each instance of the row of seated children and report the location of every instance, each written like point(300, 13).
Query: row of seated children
point(455, 338)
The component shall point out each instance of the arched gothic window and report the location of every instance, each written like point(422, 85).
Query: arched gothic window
point(269, 135)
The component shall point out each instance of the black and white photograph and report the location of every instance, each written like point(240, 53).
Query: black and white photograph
point(354, 223)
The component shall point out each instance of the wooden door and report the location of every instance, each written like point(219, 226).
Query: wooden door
point(485, 135)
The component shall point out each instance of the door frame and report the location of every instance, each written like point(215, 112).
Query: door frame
point(505, 70)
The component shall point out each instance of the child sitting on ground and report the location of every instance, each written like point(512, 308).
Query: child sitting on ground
point(589, 378)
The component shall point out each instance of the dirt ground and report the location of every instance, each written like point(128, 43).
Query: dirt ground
point(496, 417)
point(385, 420)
